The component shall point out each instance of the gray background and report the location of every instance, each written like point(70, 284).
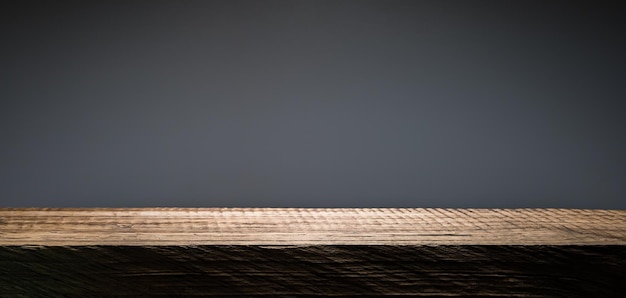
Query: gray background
point(313, 104)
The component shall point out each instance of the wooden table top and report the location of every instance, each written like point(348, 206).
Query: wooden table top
point(310, 226)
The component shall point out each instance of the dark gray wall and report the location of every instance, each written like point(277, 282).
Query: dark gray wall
point(313, 103)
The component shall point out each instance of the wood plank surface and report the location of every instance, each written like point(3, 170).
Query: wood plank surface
point(312, 252)
point(232, 226)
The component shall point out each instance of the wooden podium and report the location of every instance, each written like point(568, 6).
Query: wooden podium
point(312, 252)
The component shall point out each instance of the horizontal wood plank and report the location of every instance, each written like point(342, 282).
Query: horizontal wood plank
point(275, 226)
point(312, 252)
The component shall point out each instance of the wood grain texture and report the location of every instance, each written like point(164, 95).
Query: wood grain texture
point(312, 252)
point(175, 226)
point(501, 271)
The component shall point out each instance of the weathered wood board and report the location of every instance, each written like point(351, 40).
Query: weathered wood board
point(179, 226)
point(314, 252)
